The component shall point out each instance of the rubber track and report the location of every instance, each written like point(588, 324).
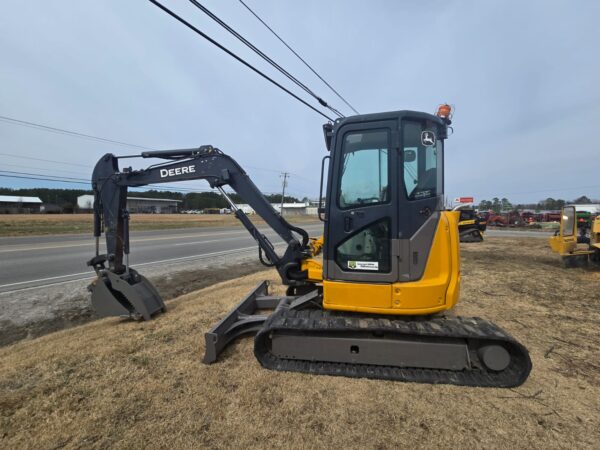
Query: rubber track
point(469, 236)
point(315, 322)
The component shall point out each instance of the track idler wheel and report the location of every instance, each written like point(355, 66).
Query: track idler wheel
point(494, 357)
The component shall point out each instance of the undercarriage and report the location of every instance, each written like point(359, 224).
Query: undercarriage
point(300, 336)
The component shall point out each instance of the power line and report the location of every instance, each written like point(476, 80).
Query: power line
point(12, 155)
point(66, 163)
point(39, 168)
point(26, 123)
point(42, 174)
point(65, 179)
point(252, 47)
point(299, 57)
point(42, 179)
point(233, 55)
point(45, 160)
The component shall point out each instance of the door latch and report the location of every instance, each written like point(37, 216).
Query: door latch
point(347, 224)
point(425, 212)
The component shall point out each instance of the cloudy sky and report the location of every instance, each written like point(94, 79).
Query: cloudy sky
point(523, 76)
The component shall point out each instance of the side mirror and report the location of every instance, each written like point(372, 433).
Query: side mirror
point(328, 134)
point(410, 155)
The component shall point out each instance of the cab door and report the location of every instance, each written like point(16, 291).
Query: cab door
point(362, 215)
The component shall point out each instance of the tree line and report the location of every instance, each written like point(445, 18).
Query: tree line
point(497, 205)
point(66, 199)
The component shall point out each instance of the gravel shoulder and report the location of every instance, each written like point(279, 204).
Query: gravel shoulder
point(35, 312)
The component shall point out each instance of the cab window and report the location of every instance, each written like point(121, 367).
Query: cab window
point(365, 169)
point(422, 161)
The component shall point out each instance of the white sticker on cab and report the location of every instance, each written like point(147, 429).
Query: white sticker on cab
point(363, 265)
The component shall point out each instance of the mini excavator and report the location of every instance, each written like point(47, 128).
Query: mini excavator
point(364, 300)
point(565, 241)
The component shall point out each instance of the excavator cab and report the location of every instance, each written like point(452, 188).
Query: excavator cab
point(389, 248)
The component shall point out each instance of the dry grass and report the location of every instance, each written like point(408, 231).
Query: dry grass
point(41, 224)
point(131, 385)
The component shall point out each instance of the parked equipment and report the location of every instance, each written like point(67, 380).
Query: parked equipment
point(470, 226)
point(370, 306)
point(565, 241)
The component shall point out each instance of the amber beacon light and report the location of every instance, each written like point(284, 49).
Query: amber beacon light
point(444, 111)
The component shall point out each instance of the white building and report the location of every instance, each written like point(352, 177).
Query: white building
point(592, 208)
point(292, 209)
point(15, 204)
point(137, 204)
point(289, 209)
point(246, 208)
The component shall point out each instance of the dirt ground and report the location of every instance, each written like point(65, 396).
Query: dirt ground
point(113, 383)
point(41, 224)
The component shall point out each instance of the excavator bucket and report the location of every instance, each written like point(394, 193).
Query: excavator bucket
point(128, 295)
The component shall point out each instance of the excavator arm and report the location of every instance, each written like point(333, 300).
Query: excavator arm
point(119, 289)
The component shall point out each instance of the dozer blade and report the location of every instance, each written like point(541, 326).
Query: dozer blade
point(247, 317)
point(460, 351)
point(127, 295)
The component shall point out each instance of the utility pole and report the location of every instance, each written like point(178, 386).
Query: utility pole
point(285, 176)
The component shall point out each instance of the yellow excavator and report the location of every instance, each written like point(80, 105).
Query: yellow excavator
point(367, 299)
point(566, 240)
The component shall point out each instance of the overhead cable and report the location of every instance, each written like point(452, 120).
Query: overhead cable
point(299, 57)
point(69, 132)
point(252, 47)
point(43, 179)
point(238, 58)
point(68, 163)
point(64, 179)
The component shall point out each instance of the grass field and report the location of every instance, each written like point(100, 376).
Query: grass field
point(120, 384)
point(41, 224)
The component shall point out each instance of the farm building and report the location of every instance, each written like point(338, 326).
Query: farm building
point(292, 209)
point(13, 204)
point(137, 204)
point(289, 209)
point(592, 208)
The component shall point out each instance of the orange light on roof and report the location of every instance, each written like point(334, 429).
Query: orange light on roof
point(444, 111)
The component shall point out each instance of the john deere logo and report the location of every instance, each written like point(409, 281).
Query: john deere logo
point(351, 264)
point(428, 138)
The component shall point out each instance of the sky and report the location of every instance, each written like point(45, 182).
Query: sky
point(522, 76)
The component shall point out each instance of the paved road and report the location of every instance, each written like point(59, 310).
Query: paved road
point(518, 233)
point(34, 262)
point(28, 262)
